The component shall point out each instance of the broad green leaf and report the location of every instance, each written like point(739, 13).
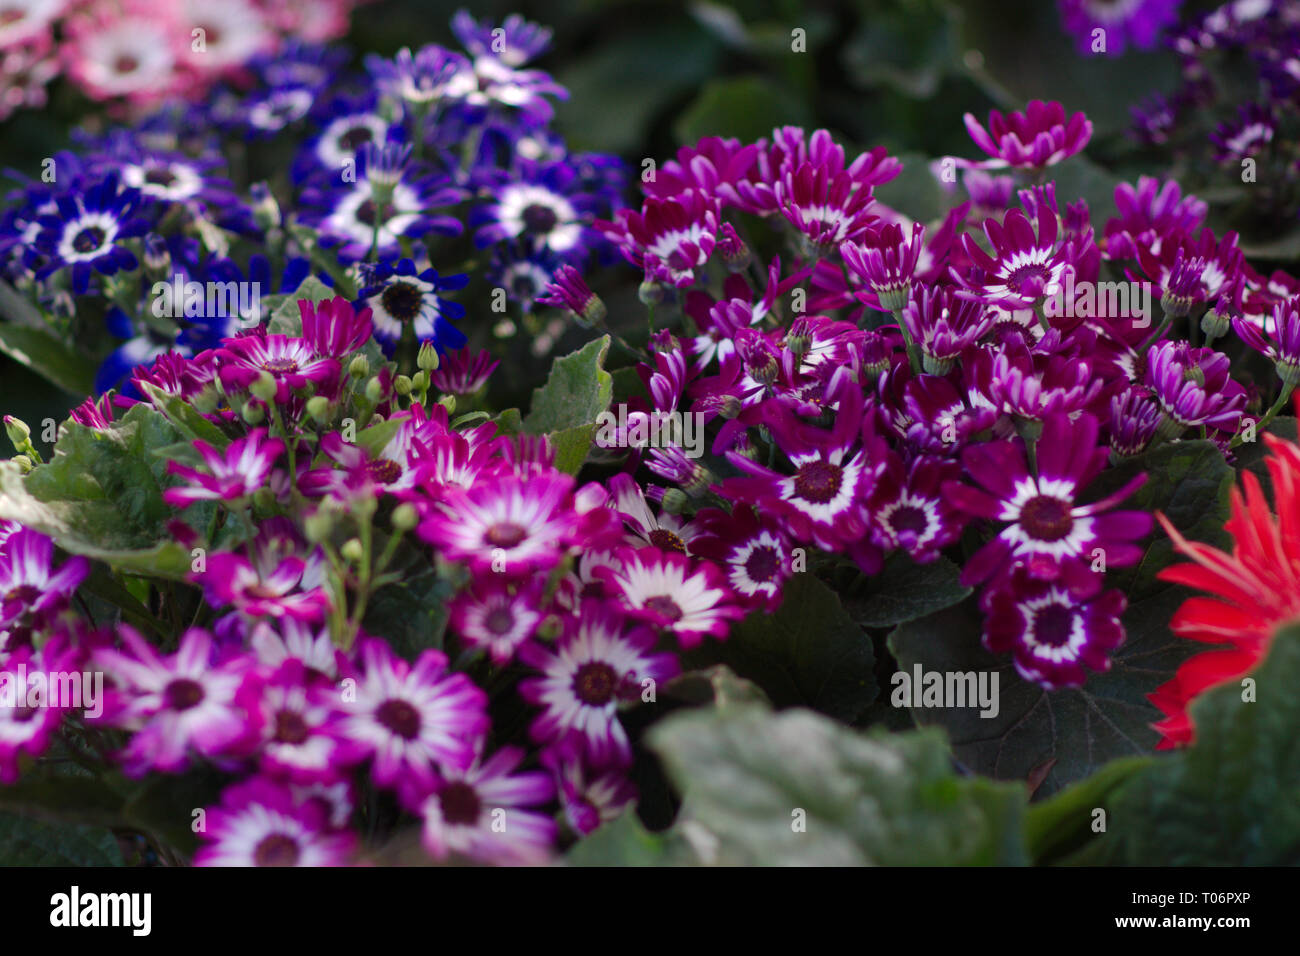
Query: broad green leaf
point(48, 356)
point(906, 44)
point(508, 422)
point(1066, 820)
point(101, 494)
point(746, 107)
point(809, 653)
point(1233, 796)
point(571, 446)
point(185, 417)
point(375, 438)
point(412, 614)
point(29, 842)
point(626, 842)
point(795, 788)
point(718, 685)
point(164, 805)
point(65, 794)
point(577, 390)
point(904, 591)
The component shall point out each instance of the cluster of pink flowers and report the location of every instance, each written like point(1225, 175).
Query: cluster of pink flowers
point(140, 52)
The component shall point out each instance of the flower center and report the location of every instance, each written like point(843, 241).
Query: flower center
point(399, 717)
point(276, 850)
point(159, 176)
point(126, 64)
point(763, 564)
point(1047, 519)
point(89, 239)
point(182, 694)
point(908, 518)
point(664, 606)
point(667, 541)
point(539, 220)
point(818, 481)
point(499, 620)
point(355, 138)
point(460, 804)
point(594, 683)
point(1053, 625)
point(402, 301)
point(384, 470)
point(369, 212)
point(1029, 280)
point(290, 728)
point(24, 593)
point(505, 534)
point(280, 366)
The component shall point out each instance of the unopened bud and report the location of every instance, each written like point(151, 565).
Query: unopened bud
point(427, 358)
point(253, 412)
point(359, 367)
point(264, 387)
point(352, 550)
point(405, 517)
point(402, 385)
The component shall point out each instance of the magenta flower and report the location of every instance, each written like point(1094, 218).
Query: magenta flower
point(28, 723)
point(752, 550)
point(416, 720)
point(1026, 265)
point(1193, 388)
point(1149, 216)
point(692, 601)
point(826, 206)
point(1047, 532)
point(1283, 345)
point(483, 814)
point(263, 823)
point(177, 705)
point(232, 476)
point(302, 738)
point(463, 372)
point(670, 238)
point(909, 510)
point(1040, 136)
point(31, 590)
point(568, 290)
point(944, 324)
point(594, 666)
point(498, 615)
point(293, 363)
point(590, 796)
point(1054, 637)
point(1139, 22)
point(886, 261)
point(333, 328)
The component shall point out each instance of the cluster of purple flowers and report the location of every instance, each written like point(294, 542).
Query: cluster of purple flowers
point(952, 388)
point(387, 169)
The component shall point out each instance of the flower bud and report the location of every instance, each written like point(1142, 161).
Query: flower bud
point(360, 367)
point(405, 517)
point(253, 412)
point(18, 431)
point(427, 358)
point(264, 387)
point(318, 407)
point(375, 390)
point(352, 550)
point(23, 462)
point(402, 385)
point(675, 501)
point(650, 293)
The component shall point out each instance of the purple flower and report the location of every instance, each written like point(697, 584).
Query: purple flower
point(1134, 419)
point(1149, 216)
point(1283, 346)
point(302, 739)
point(546, 203)
point(333, 328)
point(1191, 271)
point(463, 372)
point(231, 476)
point(1193, 388)
point(1139, 22)
point(291, 362)
point(826, 205)
point(86, 229)
point(1245, 135)
point(909, 510)
point(568, 290)
point(1040, 136)
point(1049, 533)
point(665, 589)
point(1054, 637)
point(26, 724)
point(514, 43)
point(752, 550)
point(885, 260)
point(276, 586)
point(1025, 267)
point(416, 720)
point(590, 796)
point(417, 78)
point(595, 665)
point(498, 615)
point(399, 295)
point(944, 324)
point(669, 238)
point(482, 814)
point(31, 590)
point(264, 823)
point(187, 702)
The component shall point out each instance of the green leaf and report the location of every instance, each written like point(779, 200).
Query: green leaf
point(625, 842)
point(165, 806)
point(571, 446)
point(1063, 822)
point(64, 794)
point(287, 318)
point(1233, 796)
point(101, 494)
point(412, 615)
point(866, 799)
point(508, 422)
point(1253, 456)
point(185, 417)
point(374, 439)
point(747, 107)
point(809, 653)
point(577, 390)
point(48, 356)
point(904, 591)
point(28, 842)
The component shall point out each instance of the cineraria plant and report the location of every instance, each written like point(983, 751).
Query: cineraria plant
point(325, 602)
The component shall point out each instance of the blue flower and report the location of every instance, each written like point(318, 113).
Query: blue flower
point(86, 230)
point(399, 295)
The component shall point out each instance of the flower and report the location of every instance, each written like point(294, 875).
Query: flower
point(691, 601)
point(1193, 388)
point(302, 739)
point(1254, 590)
point(590, 796)
point(1040, 136)
point(333, 328)
point(544, 202)
point(669, 238)
point(514, 43)
point(596, 664)
point(417, 78)
point(886, 261)
point(30, 716)
point(751, 549)
point(231, 475)
point(1053, 636)
point(567, 290)
point(262, 823)
point(1149, 215)
point(416, 720)
point(1051, 535)
point(85, 231)
point(399, 295)
point(292, 363)
point(1283, 346)
point(190, 701)
point(1139, 22)
point(31, 590)
point(482, 813)
point(497, 616)
point(1026, 266)
point(944, 324)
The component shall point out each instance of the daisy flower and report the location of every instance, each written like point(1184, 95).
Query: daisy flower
point(497, 616)
point(262, 823)
point(399, 296)
point(590, 797)
point(1040, 136)
point(545, 203)
point(229, 476)
point(31, 590)
point(301, 736)
point(1123, 22)
point(667, 591)
point(292, 362)
point(751, 549)
point(85, 231)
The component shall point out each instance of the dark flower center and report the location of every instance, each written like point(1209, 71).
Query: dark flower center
point(290, 728)
point(499, 620)
point(1029, 280)
point(1047, 519)
point(384, 470)
point(126, 64)
point(667, 541)
point(402, 301)
point(276, 850)
point(89, 239)
point(280, 366)
point(460, 804)
point(369, 213)
point(1053, 625)
point(763, 564)
point(355, 138)
point(594, 683)
point(818, 481)
point(524, 286)
point(909, 518)
point(160, 176)
point(24, 714)
point(505, 534)
point(664, 606)
point(24, 593)
point(399, 717)
point(539, 220)
point(182, 694)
